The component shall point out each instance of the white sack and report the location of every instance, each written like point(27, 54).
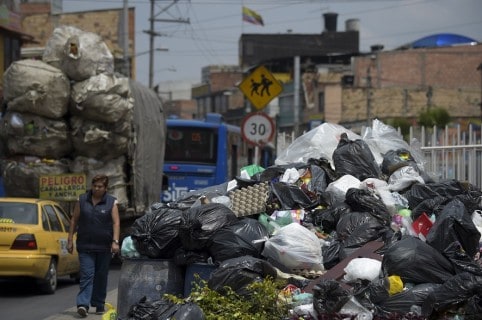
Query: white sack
point(79, 54)
point(36, 87)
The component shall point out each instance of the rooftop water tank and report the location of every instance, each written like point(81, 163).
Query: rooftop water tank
point(352, 25)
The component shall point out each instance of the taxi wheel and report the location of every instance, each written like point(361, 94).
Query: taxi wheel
point(49, 283)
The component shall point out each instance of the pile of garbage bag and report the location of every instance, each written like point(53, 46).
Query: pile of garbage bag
point(330, 193)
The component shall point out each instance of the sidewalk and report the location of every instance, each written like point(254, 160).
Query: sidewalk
point(71, 313)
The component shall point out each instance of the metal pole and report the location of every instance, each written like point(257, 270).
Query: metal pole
point(126, 39)
point(151, 46)
point(369, 97)
point(296, 98)
point(480, 69)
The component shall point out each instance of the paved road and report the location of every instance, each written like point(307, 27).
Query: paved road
point(21, 300)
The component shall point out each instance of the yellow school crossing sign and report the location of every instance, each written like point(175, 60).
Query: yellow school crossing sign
point(260, 87)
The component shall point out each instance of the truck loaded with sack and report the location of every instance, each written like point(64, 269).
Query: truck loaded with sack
point(70, 113)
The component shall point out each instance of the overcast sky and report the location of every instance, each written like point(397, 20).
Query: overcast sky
point(215, 26)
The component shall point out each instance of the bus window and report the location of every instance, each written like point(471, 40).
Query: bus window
point(186, 144)
point(201, 154)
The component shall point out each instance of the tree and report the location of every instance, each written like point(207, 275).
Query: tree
point(403, 124)
point(438, 117)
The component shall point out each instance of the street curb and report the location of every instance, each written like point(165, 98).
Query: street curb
point(71, 313)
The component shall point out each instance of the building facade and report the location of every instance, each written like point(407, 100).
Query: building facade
point(39, 21)
point(12, 36)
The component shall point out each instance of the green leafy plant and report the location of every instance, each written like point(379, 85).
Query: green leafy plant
point(403, 124)
point(434, 117)
point(263, 301)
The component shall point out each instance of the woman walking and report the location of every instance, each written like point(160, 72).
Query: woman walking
point(96, 221)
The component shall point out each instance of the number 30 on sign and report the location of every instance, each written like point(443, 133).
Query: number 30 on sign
point(257, 128)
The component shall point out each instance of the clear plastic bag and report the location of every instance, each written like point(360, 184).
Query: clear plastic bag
point(295, 247)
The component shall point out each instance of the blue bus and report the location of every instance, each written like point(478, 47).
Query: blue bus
point(200, 154)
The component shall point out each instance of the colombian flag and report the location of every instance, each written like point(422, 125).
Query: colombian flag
point(252, 17)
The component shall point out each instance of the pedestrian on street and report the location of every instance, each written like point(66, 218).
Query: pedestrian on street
point(96, 221)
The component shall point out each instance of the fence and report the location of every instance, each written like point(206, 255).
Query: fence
point(449, 153)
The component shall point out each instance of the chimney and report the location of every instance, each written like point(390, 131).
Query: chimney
point(330, 21)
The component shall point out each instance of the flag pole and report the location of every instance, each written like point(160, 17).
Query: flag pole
point(242, 22)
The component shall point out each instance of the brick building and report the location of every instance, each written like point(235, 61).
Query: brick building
point(12, 36)
point(39, 21)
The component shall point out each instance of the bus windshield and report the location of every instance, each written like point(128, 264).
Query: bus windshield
point(191, 144)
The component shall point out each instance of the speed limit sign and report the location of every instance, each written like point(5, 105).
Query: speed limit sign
point(257, 128)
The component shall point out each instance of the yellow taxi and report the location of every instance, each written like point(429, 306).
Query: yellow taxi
point(33, 242)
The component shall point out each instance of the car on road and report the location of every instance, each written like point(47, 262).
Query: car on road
point(33, 242)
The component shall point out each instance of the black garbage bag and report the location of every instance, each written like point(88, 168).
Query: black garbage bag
point(183, 257)
point(238, 273)
point(156, 234)
point(319, 179)
point(145, 309)
point(396, 159)
point(326, 166)
point(238, 239)
point(332, 254)
point(329, 199)
point(433, 205)
point(361, 235)
point(460, 260)
point(329, 297)
point(364, 201)
point(414, 261)
point(291, 196)
point(350, 222)
point(355, 158)
point(354, 229)
point(418, 193)
point(198, 224)
point(451, 188)
point(275, 172)
point(454, 224)
point(184, 311)
point(403, 302)
point(369, 293)
point(164, 309)
point(456, 291)
point(465, 192)
point(328, 218)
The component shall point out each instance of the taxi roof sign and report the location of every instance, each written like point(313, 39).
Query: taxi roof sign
point(260, 87)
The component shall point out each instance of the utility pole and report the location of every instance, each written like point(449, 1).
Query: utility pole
point(369, 96)
point(480, 69)
point(151, 46)
point(373, 58)
point(296, 98)
point(127, 69)
point(153, 34)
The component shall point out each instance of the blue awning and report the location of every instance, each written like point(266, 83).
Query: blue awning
point(442, 40)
